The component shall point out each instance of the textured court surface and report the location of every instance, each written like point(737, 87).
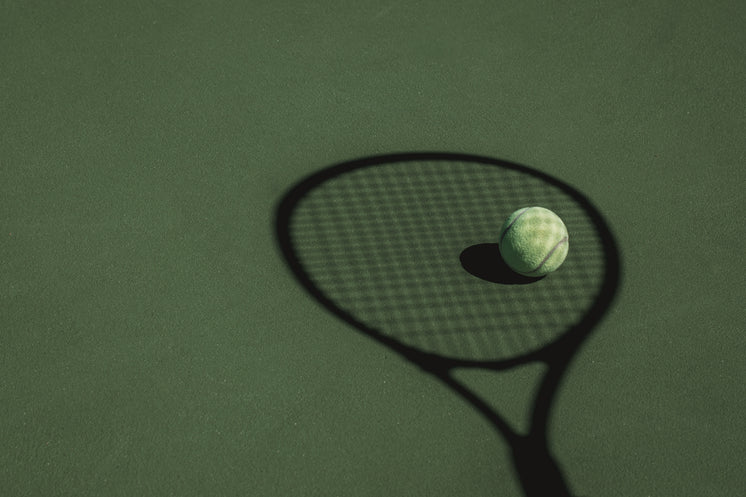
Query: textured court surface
point(384, 242)
point(153, 341)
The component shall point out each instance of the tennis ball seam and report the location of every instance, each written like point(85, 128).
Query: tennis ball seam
point(549, 255)
point(514, 233)
point(507, 228)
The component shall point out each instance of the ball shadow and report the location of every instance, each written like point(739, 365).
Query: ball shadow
point(485, 262)
point(534, 465)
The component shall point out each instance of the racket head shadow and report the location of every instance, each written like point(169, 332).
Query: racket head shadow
point(381, 243)
point(403, 248)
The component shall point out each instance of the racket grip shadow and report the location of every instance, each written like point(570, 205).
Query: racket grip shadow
point(538, 472)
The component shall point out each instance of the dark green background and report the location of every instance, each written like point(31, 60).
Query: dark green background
point(152, 341)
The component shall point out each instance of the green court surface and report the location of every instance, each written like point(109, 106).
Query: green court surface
point(164, 331)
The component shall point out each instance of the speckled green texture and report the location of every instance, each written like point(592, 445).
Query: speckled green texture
point(152, 341)
point(534, 241)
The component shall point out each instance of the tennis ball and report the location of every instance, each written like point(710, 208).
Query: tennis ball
point(533, 241)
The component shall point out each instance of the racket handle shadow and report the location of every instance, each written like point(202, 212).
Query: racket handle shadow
point(537, 471)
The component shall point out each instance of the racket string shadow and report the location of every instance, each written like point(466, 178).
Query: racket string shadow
point(325, 201)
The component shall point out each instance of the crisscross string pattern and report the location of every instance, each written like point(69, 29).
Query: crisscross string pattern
point(382, 243)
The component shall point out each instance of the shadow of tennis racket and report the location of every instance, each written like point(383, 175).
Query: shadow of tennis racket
point(399, 246)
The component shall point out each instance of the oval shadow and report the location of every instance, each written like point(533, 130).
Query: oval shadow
point(484, 261)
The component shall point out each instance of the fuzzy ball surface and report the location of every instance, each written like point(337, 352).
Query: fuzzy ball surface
point(533, 241)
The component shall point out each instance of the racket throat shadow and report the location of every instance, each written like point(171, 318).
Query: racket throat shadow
point(537, 470)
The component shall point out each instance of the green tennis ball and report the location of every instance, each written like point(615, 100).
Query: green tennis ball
point(533, 241)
